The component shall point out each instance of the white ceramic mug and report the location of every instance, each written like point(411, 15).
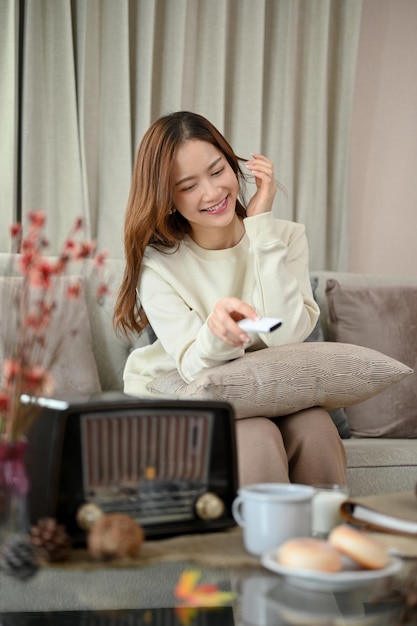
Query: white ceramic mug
point(271, 513)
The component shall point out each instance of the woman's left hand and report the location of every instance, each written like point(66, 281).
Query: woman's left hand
point(263, 170)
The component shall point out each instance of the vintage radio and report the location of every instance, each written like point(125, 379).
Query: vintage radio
point(168, 463)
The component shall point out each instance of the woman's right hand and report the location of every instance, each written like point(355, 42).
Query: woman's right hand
point(223, 321)
point(266, 185)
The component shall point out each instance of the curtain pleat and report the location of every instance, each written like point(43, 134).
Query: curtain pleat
point(103, 98)
point(275, 76)
point(51, 172)
point(9, 113)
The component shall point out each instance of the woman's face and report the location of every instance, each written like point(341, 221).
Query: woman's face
point(205, 189)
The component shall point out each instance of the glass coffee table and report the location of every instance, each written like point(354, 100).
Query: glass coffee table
point(145, 596)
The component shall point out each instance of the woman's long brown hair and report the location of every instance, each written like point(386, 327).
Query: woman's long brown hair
point(148, 220)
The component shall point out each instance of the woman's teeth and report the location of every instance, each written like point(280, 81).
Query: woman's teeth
point(216, 207)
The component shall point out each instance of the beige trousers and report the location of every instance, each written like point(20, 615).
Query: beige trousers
point(301, 448)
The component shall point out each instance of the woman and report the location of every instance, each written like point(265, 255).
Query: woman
point(198, 260)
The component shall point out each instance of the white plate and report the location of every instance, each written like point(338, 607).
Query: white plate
point(322, 581)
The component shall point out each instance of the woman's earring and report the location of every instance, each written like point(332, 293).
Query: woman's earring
point(172, 210)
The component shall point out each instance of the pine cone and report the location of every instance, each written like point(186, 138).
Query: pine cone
point(17, 557)
point(50, 540)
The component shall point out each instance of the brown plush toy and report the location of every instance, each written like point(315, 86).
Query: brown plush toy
point(115, 535)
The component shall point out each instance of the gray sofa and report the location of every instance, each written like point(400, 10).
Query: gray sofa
point(375, 465)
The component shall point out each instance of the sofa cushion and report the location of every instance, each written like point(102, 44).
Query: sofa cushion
point(338, 416)
point(68, 354)
point(281, 380)
point(317, 332)
point(384, 319)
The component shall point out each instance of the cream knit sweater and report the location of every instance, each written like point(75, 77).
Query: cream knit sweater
point(268, 269)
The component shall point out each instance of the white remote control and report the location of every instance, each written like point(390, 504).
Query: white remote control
point(261, 325)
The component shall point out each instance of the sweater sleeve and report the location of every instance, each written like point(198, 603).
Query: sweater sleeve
point(278, 250)
point(183, 334)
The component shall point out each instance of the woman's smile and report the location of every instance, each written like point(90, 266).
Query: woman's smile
point(217, 208)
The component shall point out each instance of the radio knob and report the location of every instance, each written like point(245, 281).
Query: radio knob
point(88, 514)
point(209, 506)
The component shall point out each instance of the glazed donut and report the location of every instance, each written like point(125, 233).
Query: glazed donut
point(360, 547)
point(307, 553)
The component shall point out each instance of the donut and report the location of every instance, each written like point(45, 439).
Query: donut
point(308, 553)
point(359, 546)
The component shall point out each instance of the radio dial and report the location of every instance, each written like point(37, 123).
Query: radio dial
point(88, 514)
point(209, 506)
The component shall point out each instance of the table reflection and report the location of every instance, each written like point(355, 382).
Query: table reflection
point(264, 599)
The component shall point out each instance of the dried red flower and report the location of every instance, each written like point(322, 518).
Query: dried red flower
point(102, 290)
point(100, 259)
point(74, 290)
point(4, 401)
point(79, 222)
point(11, 370)
point(37, 380)
point(36, 219)
point(86, 249)
point(31, 326)
point(70, 248)
point(41, 272)
point(15, 230)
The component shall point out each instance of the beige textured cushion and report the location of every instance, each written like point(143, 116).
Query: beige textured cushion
point(338, 415)
point(284, 379)
point(385, 319)
point(68, 337)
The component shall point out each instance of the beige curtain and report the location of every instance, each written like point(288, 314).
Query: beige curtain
point(275, 76)
point(9, 35)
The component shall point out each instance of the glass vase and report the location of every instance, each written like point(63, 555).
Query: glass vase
point(14, 488)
